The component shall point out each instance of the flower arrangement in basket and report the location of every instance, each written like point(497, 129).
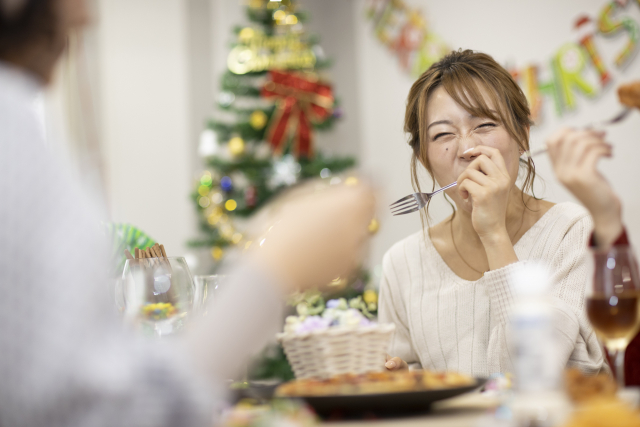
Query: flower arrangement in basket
point(342, 339)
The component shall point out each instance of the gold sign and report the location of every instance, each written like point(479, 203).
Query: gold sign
point(257, 51)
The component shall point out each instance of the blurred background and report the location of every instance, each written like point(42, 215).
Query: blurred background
point(153, 69)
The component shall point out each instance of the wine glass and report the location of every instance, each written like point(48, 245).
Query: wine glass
point(206, 287)
point(157, 294)
point(613, 303)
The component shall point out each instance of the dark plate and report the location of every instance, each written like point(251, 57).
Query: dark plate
point(384, 404)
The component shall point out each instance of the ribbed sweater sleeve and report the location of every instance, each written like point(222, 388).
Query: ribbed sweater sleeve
point(392, 309)
point(576, 343)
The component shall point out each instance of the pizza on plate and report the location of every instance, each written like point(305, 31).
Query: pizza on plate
point(374, 383)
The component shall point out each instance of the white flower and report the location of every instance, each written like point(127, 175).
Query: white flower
point(302, 309)
point(351, 317)
point(291, 323)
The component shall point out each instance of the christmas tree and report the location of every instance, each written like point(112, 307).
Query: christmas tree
point(273, 97)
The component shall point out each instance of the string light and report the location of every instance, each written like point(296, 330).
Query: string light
point(204, 202)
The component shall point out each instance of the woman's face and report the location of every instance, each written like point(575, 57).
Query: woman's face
point(452, 131)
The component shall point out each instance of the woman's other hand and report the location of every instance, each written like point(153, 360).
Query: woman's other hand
point(486, 182)
point(574, 155)
point(395, 364)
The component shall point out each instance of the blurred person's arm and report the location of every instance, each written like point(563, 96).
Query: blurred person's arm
point(574, 155)
point(315, 238)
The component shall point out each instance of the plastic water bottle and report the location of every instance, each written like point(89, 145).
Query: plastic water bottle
point(538, 400)
point(536, 363)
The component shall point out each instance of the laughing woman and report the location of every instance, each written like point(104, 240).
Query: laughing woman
point(446, 288)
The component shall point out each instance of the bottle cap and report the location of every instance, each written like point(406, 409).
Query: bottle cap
point(531, 279)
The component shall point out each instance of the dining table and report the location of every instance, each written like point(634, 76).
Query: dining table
point(468, 410)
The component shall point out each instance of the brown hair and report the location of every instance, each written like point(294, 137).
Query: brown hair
point(35, 20)
point(463, 74)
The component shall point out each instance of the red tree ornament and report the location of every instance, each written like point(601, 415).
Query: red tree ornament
point(300, 101)
point(251, 196)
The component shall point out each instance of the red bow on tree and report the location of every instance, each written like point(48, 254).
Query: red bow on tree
point(301, 100)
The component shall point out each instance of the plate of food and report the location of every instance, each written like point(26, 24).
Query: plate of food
point(379, 393)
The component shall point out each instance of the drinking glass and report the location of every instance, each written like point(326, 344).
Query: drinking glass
point(612, 303)
point(206, 287)
point(157, 294)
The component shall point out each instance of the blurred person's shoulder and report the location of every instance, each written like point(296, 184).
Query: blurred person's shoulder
point(21, 98)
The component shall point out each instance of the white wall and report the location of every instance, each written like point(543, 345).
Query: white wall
point(514, 32)
point(159, 80)
point(145, 116)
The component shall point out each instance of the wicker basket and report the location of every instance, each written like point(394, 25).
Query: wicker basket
point(337, 350)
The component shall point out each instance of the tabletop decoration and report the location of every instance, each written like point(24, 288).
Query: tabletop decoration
point(125, 237)
point(339, 337)
point(159, 311)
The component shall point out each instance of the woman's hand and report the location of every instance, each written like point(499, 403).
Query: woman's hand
point(575, 155)
point(486, 182)
point(395, 364)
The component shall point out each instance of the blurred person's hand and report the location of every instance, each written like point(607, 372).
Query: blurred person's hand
point(395, 364)
point(575, 155)
point(629, 94)
point(314, 236)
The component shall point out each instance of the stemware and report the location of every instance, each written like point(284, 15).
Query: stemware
point(157, 294)
point(613, 303)
point(206, 288)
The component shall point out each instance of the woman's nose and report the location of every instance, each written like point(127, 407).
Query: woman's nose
point(465, 148)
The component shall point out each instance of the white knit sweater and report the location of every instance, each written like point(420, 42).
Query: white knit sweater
point(444, 322)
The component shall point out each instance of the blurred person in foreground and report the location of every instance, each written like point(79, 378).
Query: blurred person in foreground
point(575, 155)
point(448, 287)
point(66, 359)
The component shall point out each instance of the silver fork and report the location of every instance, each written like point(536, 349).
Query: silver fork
point(416, 201)
point(617, 119)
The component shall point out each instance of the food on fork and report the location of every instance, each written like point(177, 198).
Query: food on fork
point(629, 94)
point(374, 383)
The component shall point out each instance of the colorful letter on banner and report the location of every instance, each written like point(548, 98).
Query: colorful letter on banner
point(411, 36)
point(589, 46)
point(432, 50)
point(529, 78)
point(551, 87)
point(569, 63)
point(385, 22)
point(608, 26)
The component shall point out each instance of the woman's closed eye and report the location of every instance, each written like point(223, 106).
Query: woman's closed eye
point(487, 125)
point(441, 134)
